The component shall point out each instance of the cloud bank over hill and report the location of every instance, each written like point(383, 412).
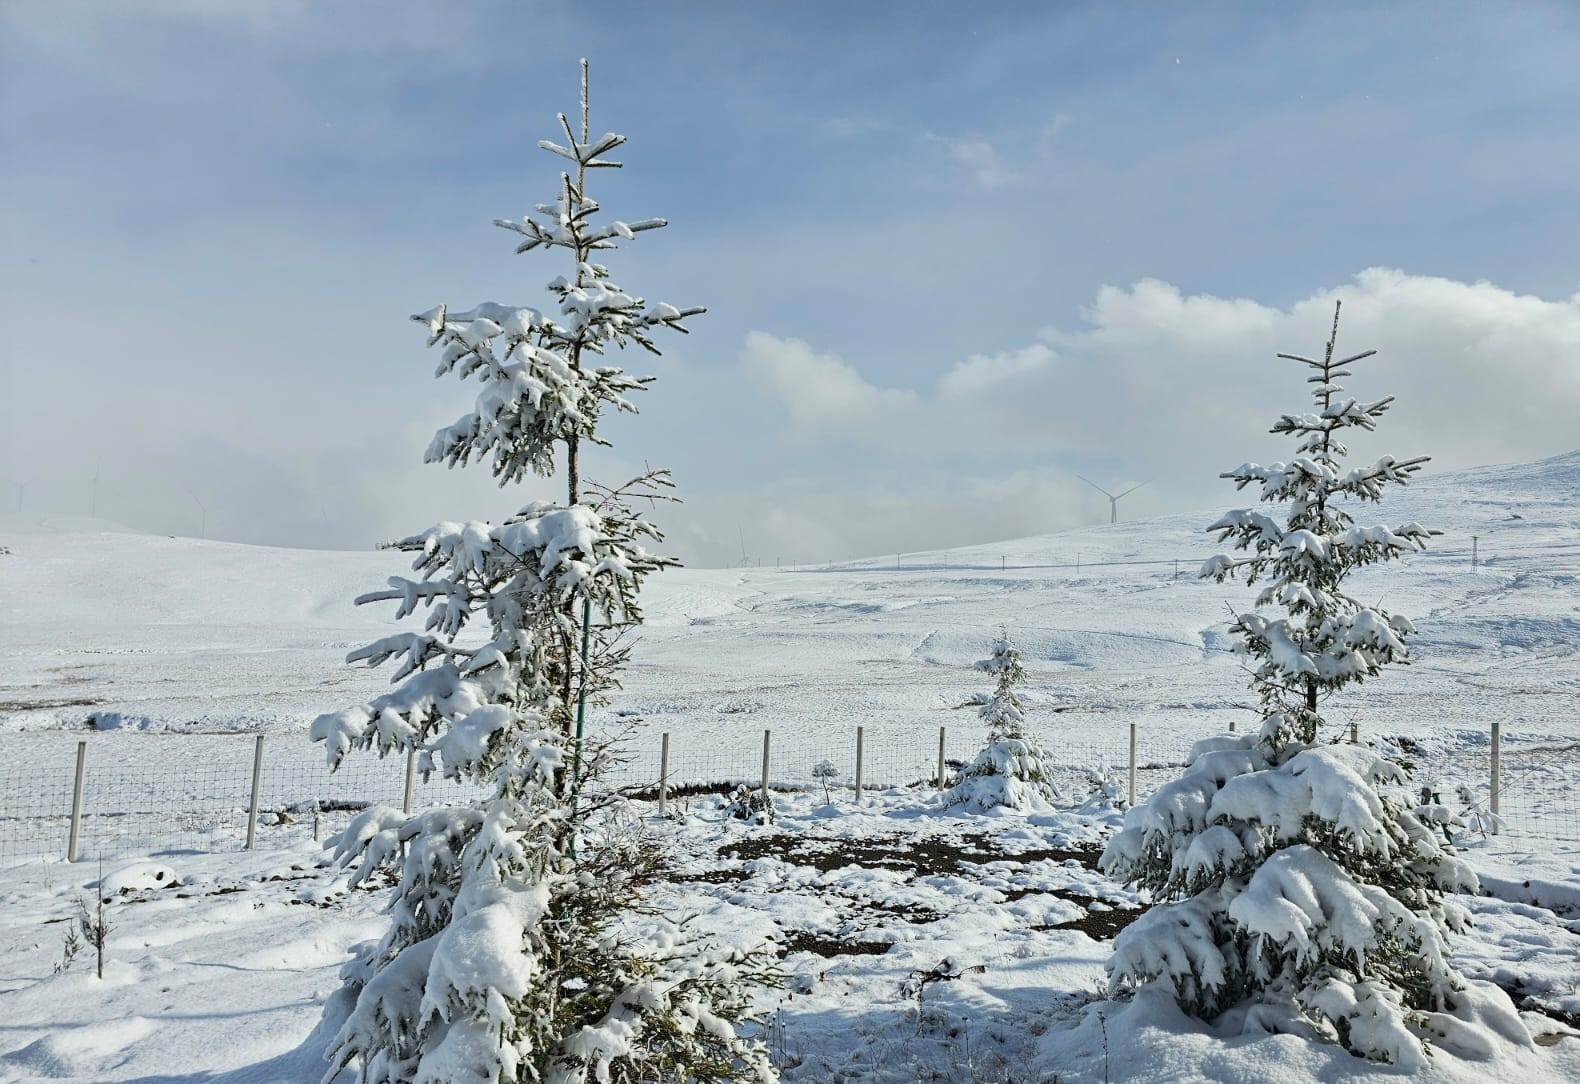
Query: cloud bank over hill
point(1172, 389)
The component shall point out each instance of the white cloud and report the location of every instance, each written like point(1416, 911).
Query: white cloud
point(1173, 388)
point(820, 392)
point(983, 373)
point(987, 167)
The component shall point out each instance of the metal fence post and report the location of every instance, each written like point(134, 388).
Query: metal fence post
point(663, 774)
point(411, 777)
point(76, 802)
point(940, 758)
point(858, 765)
point(257, 780)
point(1497, 767)
point(1132, 763)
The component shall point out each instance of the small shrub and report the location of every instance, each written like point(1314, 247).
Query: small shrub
point(750, 804)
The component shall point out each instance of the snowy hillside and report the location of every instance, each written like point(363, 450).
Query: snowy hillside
point(179, 634)
point(917, 943)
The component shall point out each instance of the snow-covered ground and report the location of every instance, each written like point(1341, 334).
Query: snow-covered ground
point(989, 970)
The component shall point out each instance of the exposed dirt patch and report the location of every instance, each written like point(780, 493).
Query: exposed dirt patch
point(1098, 925)
point(919, 855)
point(1527, 1003)
point(829, 947)
point(914, 856)
point(689, 790)
point(41, 705)
point(1086, 857)
point(915, 915)
point(712, 877)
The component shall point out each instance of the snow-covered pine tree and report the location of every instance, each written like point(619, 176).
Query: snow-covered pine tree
point(1011, 769)
point(517, 948)
point(1293, 881)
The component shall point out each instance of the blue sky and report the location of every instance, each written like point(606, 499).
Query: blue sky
point(950, 256)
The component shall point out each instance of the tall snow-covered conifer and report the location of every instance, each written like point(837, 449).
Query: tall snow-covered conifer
point(1011, 769)
point(517, 949)
point(1293, 881)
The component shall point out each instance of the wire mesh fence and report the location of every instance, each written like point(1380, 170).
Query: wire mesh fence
point(163, 794)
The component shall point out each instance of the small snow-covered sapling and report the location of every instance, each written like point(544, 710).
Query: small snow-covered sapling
point(825, 772)
point(1011, 769)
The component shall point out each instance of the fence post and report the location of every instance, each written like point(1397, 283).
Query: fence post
point(76, 802)
point(1132, 763)
point(1231, 726)
point(411, 776)
point(1497, 766)
point(941, 758)
point(767, 737)
point(663, 774)
point(257, 780)
point(1355, 732)
point(858, 765)
point(1473, 553)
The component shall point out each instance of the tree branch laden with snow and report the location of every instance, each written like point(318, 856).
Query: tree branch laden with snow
point(1297, 882)
point(519, 947)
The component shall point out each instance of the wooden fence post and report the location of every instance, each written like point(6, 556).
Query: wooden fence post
point(257, 782)
point(411, 777)
point(76, 803)
point(663, 774)
point(858, 764)
point(1497, 767)
point(1132, 763)
point(941, 776)
point(767, 736)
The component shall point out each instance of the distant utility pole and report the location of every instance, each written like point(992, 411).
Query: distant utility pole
point(1113, 500)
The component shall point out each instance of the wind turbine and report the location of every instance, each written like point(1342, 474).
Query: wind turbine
point(202, 508)
point(1113, 500)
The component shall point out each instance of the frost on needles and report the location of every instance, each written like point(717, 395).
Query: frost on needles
point(519, 948)
point(1296, 885)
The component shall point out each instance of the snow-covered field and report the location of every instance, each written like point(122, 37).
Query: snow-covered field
point(919, 945)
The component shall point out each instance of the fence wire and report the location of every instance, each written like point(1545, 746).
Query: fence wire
point(166, 794)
